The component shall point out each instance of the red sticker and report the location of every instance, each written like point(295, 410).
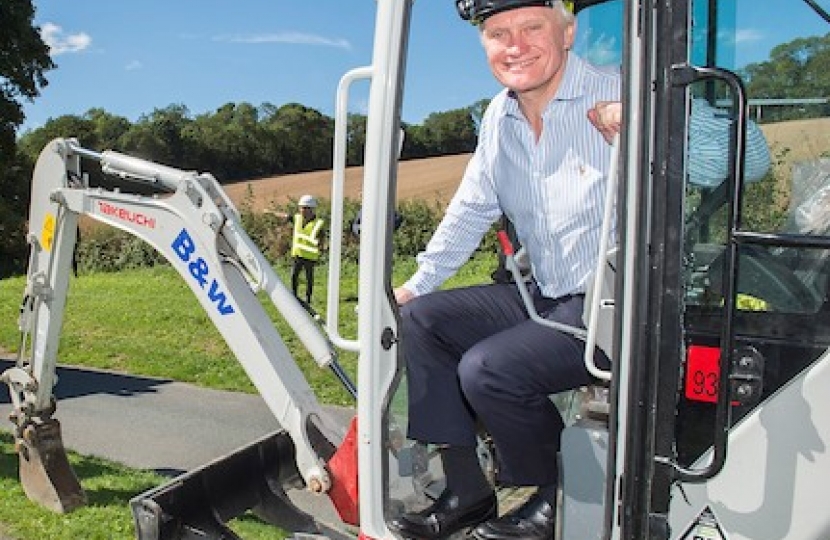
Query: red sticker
point(702, 373)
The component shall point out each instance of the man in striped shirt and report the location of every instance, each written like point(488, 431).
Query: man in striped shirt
point(473, 354)
point(709, 131)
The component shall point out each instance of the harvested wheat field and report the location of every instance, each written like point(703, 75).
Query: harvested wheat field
point(434, 179)
point(798, 140)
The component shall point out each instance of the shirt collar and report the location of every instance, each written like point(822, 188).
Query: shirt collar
point(570, 87)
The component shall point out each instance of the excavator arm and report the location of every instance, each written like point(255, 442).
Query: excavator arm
point(198, 230)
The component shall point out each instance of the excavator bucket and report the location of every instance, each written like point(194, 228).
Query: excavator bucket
point(45, 473)
point(199, 503)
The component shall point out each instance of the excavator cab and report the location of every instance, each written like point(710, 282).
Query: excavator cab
point(721, 300)
point(714, 303)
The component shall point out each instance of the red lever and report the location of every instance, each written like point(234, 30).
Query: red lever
point(506, 244)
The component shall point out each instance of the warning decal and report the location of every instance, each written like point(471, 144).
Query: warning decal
point(705, 527)
point(47, 233)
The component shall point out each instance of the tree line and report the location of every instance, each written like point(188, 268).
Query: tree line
point(240, 141)
point(236, 142)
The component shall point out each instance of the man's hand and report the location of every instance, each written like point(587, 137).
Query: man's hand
point(403, 295)
point(607, 118)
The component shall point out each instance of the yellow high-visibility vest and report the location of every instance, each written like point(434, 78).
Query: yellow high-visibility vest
point(306, 240)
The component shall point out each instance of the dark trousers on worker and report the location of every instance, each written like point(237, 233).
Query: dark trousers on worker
point(307, 266)
point(474, 356)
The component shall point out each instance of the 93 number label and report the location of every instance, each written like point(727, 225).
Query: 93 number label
point(702, 373)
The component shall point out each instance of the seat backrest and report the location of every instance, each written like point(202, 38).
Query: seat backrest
point(591, 402)
point(604, 322)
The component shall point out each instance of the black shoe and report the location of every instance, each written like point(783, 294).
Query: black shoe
point(534, 520)
point(444, 517)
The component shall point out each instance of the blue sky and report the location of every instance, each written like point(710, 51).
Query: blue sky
point(130, 58)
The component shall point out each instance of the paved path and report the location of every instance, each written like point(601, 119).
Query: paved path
point(148, 423)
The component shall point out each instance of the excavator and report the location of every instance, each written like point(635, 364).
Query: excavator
point(713, 422)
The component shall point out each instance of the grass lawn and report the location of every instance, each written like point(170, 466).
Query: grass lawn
point(107, 516)
point(147, 322)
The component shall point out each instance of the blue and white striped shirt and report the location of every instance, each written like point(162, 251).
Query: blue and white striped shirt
point(552, 189)
point(709, 131)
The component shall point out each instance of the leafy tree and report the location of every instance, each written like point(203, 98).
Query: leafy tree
point(233, 142)
point(159, 137)
point(356, 146)
point(14, 207)
point(272, 145)
point(24, 58)
point(68, 125)
point(798, 69)
point(477, 111)
point(451, 132)
point(109, 129)
point(308, 135)
point(96, 130)
point(416, 143)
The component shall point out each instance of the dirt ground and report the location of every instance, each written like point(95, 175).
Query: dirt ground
point(798, 140)
point(430, 179)
point(436, 179)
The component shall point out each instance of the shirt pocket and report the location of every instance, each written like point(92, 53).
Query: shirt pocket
point(573, 195)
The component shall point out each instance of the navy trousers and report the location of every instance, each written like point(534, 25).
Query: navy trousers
point(474, 356)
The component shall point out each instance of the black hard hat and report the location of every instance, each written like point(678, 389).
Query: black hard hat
point(476, 11)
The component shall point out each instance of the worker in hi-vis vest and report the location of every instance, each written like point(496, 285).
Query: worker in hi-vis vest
point(306, 244)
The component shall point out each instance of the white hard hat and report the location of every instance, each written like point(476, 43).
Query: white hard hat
point(307, 200)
